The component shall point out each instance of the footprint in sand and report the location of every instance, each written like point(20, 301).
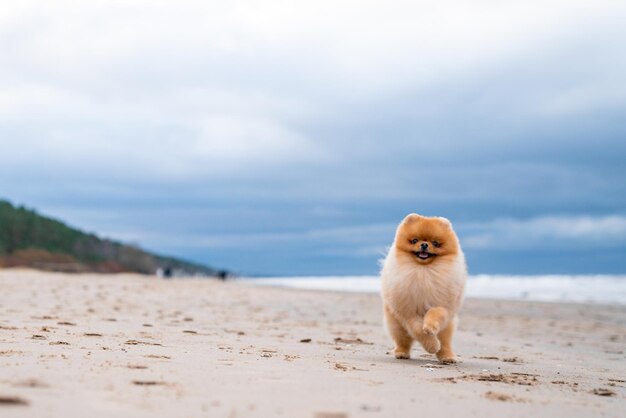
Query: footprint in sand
point(515, 360)
point(136, 342)
point(12, 401)
point(346, 367)
point(522, 379)
point(31, 383)
point(603, 392)
point(330, 415)
point(502, 397)
point(150, 383)
point(350, 341)
point(10, 353)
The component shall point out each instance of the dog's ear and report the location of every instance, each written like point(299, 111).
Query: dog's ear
point(411, 218)
point(445, 221)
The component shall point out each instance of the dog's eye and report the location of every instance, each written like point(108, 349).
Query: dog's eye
point(414, 241)
point(437, 244)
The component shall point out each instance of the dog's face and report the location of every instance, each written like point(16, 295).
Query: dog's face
point(426, 239)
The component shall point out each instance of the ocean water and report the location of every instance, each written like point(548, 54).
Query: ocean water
point(548, 288)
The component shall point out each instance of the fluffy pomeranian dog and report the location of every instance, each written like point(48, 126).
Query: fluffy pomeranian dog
point(423, 282)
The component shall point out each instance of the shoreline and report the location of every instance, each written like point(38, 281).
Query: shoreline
point(138, 346)
point(596, 289)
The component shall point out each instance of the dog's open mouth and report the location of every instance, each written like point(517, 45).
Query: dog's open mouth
point(424, 255)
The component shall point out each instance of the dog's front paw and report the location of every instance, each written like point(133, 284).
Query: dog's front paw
point(446, 356)
point(431, 344)
point(401, 354)
point(430, 329)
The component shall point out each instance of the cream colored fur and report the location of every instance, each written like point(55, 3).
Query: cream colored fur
point(421, 302)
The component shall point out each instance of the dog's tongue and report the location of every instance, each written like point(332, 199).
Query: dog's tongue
point(423, 255)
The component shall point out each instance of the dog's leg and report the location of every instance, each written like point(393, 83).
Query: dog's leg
point(399, 335)
point(426, 331)
point(429, 342)
point(435, 320)
point(445, 354)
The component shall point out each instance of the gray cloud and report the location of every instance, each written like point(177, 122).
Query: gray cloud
point(196, 126)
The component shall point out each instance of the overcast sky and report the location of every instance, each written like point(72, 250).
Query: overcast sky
point(290, 137)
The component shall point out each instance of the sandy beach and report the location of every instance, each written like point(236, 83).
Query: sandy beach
point(136, 346)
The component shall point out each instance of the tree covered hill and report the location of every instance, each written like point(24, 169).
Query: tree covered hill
point(32, 240)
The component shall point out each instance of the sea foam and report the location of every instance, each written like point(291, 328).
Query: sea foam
point(549, 288)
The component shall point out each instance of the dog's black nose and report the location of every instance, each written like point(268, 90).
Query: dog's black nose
point(424, 246)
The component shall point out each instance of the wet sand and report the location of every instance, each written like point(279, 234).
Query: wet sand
point(136, 346)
